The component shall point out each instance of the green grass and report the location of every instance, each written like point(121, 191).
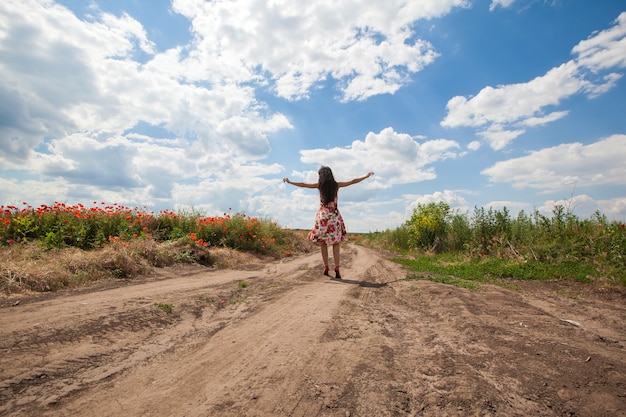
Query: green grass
point(450, 280)
point(487, 269)
point(490, 244)
point(165, 307)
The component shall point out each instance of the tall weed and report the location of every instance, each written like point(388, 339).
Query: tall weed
point(577, 247)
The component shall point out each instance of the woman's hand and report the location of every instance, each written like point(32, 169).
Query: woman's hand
point(286, 180)
point(369, 174)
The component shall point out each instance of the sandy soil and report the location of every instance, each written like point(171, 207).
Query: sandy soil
point(295, 343)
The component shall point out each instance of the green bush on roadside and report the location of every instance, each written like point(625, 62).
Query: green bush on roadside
point(491, 243)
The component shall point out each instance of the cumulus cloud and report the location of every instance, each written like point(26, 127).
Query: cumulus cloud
point(28, 190)
point(503, 113)
point(369, 48)
point(581, 205)
point(296, 205)
point(453, 198)
point(60, 74)
point(613, 208)
point(82, 76)
point(498, 137)
point(87, 160)
point(566, 166)
point(473, 145)
point(396, 158)
point(584, 206)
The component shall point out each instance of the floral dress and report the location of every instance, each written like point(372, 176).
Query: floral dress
point(329, 227)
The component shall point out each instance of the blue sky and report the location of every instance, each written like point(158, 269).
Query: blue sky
point(209, 104)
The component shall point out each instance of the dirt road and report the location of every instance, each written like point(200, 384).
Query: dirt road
point(295, 343)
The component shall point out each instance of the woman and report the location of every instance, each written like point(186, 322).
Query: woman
point(329, 228)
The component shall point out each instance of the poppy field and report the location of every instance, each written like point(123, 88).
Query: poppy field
point(57, 246)
point(90, 227)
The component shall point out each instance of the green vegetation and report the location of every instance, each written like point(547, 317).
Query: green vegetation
point(492, 244)
point(62, 246)
point(450, 280)
point(165, 307)
point(87, 228)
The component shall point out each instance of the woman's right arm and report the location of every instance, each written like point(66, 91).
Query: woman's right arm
point(299, 184)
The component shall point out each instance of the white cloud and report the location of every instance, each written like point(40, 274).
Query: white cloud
point(584, 207)
point(500, 3)
point(512, 104)
point(613, 208)
point(498, 138)
point(15, 192)
point(542, 120)
point(513, 207)
point(373, 222)
point(81, 76)
point(106, 163)
point(455, 200)
point(504, 104)
point(605, 49)
point(368, 47)
point(61, 67)
point(77, 85)
point(396, 158)
point(502, 113)
point(580, 205)
point(566, 166)
point(128, 33)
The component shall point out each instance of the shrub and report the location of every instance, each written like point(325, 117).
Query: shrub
point(428, 225)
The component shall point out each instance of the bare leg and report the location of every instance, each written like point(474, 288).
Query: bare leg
point(336, 248)
point(324, 250)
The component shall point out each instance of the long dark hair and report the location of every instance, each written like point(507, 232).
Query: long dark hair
point(327, 185)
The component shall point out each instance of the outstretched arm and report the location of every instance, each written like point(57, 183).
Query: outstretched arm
point(300, 184)
point(354, 181)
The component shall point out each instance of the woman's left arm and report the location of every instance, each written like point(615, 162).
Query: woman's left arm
point(354, 181)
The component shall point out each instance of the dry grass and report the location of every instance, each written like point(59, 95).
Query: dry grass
point(29, 267)
point(226, 258)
